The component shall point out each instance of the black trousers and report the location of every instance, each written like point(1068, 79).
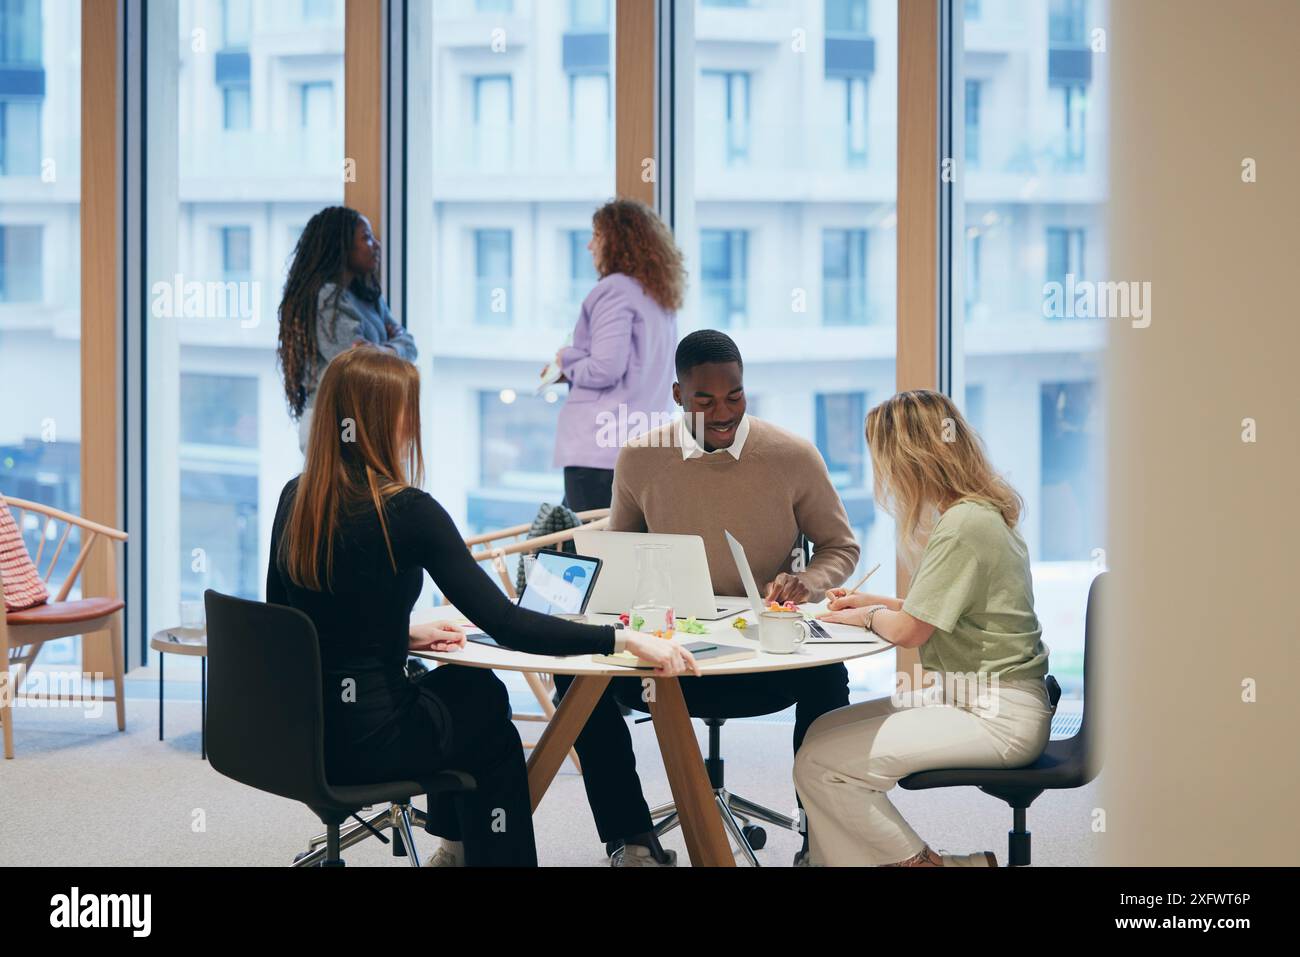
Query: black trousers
point(605, 745)
point(586, 488)
point(463, 723)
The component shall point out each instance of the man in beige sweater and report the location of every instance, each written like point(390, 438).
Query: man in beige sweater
point(718, 469)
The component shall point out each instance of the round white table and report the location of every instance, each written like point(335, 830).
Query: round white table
point(706, 840)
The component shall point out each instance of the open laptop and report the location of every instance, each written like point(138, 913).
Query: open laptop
point(559, 584)
point(692, 588)
point(819, 634)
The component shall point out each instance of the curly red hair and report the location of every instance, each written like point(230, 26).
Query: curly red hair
point(636, 242)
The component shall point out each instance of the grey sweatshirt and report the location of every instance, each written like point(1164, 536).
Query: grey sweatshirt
point(350, 319)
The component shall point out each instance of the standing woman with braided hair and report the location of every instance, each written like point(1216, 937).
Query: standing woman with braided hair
point(332, 301)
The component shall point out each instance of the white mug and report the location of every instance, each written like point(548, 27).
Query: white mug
point(781, 632)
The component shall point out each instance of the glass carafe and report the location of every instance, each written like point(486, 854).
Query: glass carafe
point(652, 601)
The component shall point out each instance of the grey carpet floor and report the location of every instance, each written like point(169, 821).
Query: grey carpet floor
point(81, 793)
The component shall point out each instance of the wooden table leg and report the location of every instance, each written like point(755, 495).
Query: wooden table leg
point(706, 841)
point(561, 731)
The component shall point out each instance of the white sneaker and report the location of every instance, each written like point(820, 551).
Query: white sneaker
point(978, 859)
point(634, 855)
point(443, 858)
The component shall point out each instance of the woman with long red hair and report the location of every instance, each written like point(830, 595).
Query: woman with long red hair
point(620, 365)
point(352, 539)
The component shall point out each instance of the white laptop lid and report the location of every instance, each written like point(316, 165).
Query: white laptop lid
point(746, 577)
point(616, 588)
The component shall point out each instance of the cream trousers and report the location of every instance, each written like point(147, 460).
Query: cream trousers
point(852, 756)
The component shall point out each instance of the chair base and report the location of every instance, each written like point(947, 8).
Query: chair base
point(325, 850)
point(737, 814)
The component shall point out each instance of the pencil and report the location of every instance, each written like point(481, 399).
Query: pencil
point(864, 578)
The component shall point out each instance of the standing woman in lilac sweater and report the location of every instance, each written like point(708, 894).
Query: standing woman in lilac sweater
point(620, 366)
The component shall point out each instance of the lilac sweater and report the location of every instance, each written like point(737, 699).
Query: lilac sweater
point(622, 356)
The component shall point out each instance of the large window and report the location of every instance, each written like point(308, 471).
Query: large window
point(790, 231)
point(40, 266)
point(724, 277)
point(244, 142)
point(1035, 188)
point(510, 150)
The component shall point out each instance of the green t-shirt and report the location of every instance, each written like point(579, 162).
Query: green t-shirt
point(973, 585)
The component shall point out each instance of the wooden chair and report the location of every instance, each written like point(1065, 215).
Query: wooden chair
point(23, 633)
point(488, 547)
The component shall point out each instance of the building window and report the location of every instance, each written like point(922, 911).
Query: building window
point(20, 136)
point(1064, 254)
point(20, 32)
point(236, 253)
point(219, 410)
point(589, 16)
point(236, 23)
point(318, 9)
point(846, 17)
point(590, 117)
point(974, 267)
point(494, 6)
point(726, 96)
point(1067, 22)
point(21, 264)
point(219, 515)
point(237, 107)
point(974, 90)
point(724, 277)
point(974, 410)
point(844, 277)
point(316, 105)
point(840, 437)
point(582, 271)
point(973, 9)
point(518, 442)
point(494, 276)
point(1074, 101)
point(493, 115)
point(1071, 511)
point(219, 483)
point(855, 120)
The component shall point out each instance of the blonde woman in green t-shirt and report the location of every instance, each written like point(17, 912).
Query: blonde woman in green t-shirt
point(970, 612)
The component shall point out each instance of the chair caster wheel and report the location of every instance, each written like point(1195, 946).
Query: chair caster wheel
point(755, 835)
point(611, 847)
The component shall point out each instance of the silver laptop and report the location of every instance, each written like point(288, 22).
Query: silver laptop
point(691, 584)
point(819, 634)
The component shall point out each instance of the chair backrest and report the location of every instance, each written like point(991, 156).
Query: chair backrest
point(1089, 735)
point(82, 532)
point(483, 548)
point(266, 723)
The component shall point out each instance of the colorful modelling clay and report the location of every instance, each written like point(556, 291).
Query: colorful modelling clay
point(740, 624)
point(693, 627)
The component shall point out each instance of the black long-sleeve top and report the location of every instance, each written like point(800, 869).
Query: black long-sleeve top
point(363, 617)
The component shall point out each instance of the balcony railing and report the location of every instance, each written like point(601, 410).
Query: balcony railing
point(252, 155)
point(489, 150)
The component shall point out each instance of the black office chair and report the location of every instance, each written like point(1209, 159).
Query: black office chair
point(1069, 763)
point(266, 729)
point(738, 813)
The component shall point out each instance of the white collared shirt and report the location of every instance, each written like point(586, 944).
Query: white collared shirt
point(691, 448)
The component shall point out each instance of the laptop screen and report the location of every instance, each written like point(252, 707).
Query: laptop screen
point(559, 584)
